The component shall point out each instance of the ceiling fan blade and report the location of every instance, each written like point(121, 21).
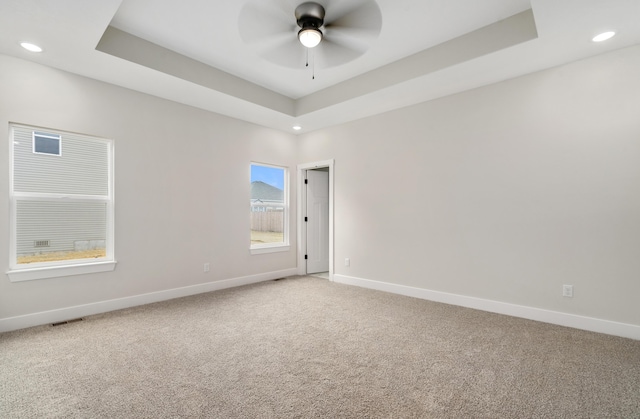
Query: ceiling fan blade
point(351, 35)
point(330, 53)
point(259, 19)
point(269, 42)
point(350, 30)
point(286, 7)
point(364, 16)
point(347, 38)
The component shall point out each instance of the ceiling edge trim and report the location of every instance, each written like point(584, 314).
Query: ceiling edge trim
point(503, 34)
point(128, 47)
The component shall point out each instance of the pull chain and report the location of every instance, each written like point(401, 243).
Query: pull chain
point(313, 65)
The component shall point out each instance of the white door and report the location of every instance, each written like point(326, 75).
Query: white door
point(317, 221)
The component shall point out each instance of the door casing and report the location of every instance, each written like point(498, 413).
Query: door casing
point(301, 210)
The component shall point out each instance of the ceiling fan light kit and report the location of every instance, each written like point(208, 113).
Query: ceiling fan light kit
point(310, 37)
point(310, 18)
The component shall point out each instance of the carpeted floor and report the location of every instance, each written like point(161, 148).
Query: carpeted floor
point(305, 347)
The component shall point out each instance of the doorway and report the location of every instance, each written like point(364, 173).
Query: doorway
point(317, 220)
point(315, 226)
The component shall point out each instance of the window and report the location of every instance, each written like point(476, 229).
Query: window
point(61, 204)
point(269, 208)
point(45, 143)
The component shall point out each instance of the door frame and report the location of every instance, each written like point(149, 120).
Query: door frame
point(302, 206)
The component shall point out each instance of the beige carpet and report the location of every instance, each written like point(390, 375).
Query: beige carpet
point(305, 347)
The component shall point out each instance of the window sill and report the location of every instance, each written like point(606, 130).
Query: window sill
point(28, 274)
point(269, 249)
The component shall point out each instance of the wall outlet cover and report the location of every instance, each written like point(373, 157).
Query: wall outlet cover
point(567, 290)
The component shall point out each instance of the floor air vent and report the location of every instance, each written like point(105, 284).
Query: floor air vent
point(67, 322)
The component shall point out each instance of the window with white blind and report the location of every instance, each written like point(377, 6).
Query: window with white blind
point(61, 203)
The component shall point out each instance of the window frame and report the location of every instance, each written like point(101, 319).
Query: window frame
point(284, 246)
point(42, 270)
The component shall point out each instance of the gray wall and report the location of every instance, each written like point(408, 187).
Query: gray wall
point(503, 193)
point(181, 187)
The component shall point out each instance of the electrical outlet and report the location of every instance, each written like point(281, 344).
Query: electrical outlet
point(347, 262)
point(567, 291)
point(207, 267)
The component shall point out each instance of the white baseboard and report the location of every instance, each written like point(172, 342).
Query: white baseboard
point(554, 317)
point(67, 313)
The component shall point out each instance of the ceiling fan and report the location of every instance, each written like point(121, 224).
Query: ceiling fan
point(284, 32)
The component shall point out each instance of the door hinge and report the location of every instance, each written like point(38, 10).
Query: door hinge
point(305, 257)
point(306, 219)
point(306, 181)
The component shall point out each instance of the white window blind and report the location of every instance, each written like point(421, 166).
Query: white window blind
point(61, 203)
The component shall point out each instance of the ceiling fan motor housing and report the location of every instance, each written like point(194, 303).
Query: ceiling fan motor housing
point(310, 15)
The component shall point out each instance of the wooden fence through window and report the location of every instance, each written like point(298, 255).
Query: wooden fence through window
point(267, 220)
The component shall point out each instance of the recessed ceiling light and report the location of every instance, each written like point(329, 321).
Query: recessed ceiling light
point(603, 36)
point(30, 47)
point(297, 127)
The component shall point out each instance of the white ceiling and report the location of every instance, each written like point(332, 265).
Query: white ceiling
point(194, 53)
